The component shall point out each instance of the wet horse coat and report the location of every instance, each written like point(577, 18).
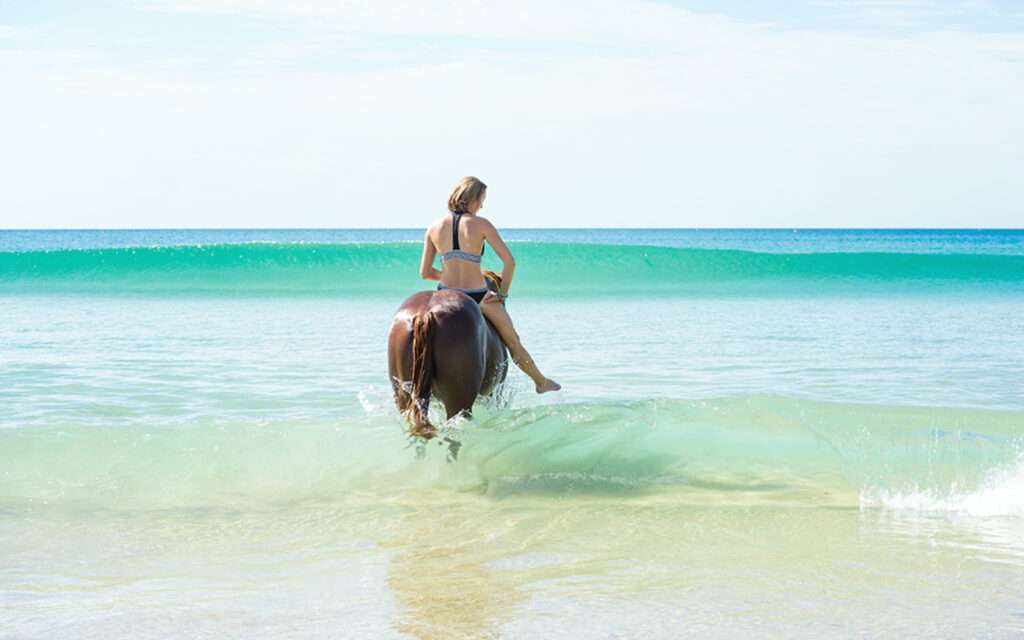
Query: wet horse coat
point(440, 344)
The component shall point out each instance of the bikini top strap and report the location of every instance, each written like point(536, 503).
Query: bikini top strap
point(455, 230)
point(456, 216)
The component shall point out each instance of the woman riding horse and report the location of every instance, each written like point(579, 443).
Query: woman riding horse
point(461, 262)
point(416, 339)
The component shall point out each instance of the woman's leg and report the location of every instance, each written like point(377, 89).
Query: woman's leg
point(498, 315)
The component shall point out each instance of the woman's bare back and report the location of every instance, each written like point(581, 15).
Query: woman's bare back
point(460, 273)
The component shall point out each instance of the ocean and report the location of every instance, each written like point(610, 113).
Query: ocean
point(769, 433)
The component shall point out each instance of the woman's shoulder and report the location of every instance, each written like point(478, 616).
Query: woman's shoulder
point(438, 223)
point(482, 223)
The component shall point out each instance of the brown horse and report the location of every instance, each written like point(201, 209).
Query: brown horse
point(441, 344)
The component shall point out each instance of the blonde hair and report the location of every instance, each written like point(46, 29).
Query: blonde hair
point(468, 191)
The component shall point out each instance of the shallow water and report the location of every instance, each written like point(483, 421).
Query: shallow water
point(763, 437)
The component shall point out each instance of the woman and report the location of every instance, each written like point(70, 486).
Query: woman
point(460, 238)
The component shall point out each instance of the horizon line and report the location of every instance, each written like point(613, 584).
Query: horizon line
point(600, 228)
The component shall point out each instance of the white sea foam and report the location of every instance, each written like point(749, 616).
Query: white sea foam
point(369, 406)
point(1001, 493)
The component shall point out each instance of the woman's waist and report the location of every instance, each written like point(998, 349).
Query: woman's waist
point(464, 283)
point(463, 278)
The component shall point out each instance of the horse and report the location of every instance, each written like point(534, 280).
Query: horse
point(441, 344)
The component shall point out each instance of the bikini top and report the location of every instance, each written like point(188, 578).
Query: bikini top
point(456, 253)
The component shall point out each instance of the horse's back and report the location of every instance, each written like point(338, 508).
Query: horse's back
point(459, 349)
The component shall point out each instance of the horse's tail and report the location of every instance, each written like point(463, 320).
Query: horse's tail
point(423, 326)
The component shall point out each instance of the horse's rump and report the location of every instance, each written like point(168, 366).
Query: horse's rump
point(440, 344)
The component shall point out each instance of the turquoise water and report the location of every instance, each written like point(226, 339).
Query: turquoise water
point(791, 433)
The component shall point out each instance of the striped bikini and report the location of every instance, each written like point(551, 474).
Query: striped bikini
point(458, 254)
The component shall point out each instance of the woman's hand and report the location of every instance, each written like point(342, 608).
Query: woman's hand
point(493, 296)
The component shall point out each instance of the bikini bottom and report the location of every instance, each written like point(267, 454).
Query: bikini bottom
point(476, 294)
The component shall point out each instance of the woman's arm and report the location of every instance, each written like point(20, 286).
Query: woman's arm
point(427, 270)
point(493, 238)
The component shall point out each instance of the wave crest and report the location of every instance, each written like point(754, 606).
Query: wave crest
point(546, 269)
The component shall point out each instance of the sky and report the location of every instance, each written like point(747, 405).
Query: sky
point(577, 113)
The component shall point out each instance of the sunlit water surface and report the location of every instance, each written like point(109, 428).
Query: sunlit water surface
point(799, 461)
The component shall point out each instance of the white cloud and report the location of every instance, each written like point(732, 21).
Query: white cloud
point(677, 119)
point(920, 14)
point(9, 32)
point(615, 22)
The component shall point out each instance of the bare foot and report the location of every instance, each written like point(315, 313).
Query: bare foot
point(549, 385)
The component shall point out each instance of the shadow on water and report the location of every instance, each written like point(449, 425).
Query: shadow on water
point(442, 576)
